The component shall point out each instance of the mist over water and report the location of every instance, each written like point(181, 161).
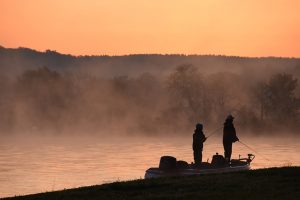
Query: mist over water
point(52, 93)
point(71, 121)
point(31, 165)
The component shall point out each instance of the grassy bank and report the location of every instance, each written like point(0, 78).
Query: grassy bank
point(273, 183)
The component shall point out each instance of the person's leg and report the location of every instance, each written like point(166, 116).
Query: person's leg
point(227, 150)
point(197, 157)
point(200, 156)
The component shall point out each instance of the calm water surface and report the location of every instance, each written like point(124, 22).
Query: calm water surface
point(32, 166)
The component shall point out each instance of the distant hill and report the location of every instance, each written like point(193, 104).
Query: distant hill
point(15, 61)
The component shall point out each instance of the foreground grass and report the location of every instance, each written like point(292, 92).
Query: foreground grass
point(273, 183)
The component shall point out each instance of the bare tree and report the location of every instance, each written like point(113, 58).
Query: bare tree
point(188, 92)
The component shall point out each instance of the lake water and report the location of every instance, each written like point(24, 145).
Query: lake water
point(40, 165)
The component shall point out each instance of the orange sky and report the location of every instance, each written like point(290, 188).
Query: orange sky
point(114, 27)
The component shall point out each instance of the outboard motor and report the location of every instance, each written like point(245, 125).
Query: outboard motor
point(218, 161)
point(167, 163)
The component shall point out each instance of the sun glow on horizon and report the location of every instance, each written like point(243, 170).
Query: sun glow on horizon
point(118, 27)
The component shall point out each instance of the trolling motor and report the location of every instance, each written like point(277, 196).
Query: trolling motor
point(250, 157)
point(242, 161)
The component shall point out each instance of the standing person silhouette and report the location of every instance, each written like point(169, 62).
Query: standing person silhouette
point(198, 140)
point(229, 137)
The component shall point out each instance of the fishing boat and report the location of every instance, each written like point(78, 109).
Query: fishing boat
point(169, 166)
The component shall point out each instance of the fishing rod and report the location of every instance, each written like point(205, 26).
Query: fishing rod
point(254, 151)
point(214, 132)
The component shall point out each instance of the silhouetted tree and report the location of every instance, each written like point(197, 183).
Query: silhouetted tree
point(261, 97)
point(188, 92)
point(225, 90)
point(6, 105)
point(277, 100)
point(42, 97)
point(282, 102)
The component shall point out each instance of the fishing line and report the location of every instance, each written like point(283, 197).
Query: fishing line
point(254, 151)
point(214, 132)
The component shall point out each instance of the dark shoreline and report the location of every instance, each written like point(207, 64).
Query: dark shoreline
point(270, 183)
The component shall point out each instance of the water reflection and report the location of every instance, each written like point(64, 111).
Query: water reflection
point(52, 165)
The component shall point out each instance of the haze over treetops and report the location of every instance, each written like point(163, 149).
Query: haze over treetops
point(117, 27)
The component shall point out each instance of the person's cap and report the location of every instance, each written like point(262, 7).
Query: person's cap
point(229, 117)
point(199, 126)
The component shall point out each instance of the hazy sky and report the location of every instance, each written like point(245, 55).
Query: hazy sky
point(228, 27)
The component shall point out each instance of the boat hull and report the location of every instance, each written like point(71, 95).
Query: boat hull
point(156, 172)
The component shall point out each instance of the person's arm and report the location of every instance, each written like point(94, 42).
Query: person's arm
point(203, 138)
point(235, 137)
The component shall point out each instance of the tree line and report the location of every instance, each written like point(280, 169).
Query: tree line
point(44, 100)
